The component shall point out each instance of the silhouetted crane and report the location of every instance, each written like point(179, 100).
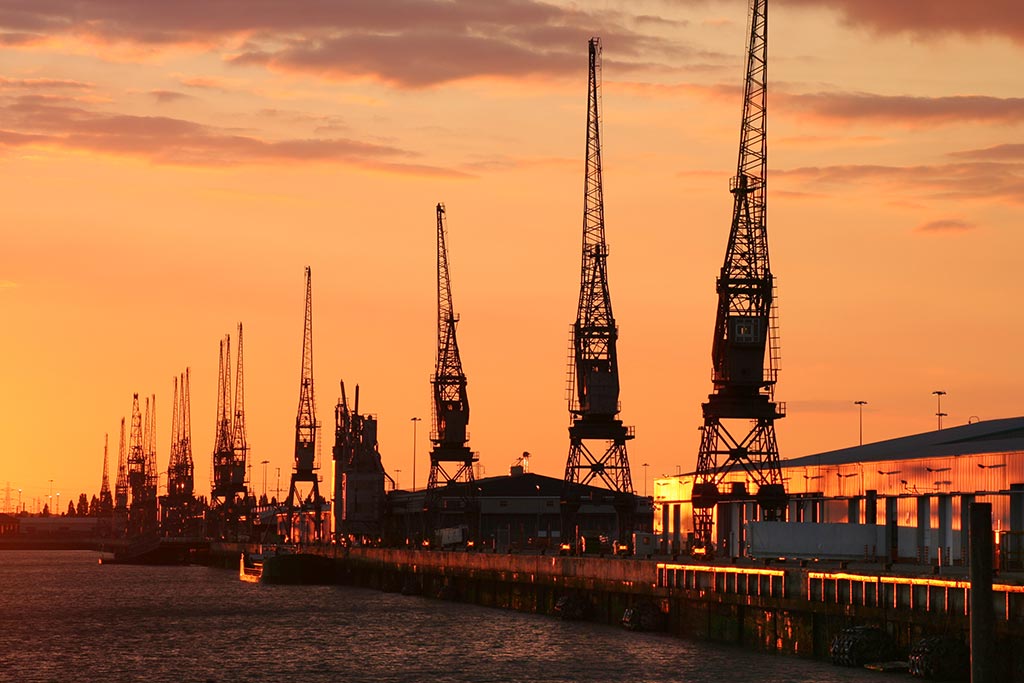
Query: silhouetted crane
point(744, 379)
point(593, 384)
point(451, 460)
point(304, 491)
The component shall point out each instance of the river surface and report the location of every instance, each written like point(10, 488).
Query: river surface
point(66, 618)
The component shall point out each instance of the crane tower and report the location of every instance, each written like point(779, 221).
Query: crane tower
point(304, 490)
point(739, 417)
point(593, 381)
point(451, 460)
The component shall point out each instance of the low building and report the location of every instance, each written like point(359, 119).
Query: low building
point(520, 511)
point(922, 480)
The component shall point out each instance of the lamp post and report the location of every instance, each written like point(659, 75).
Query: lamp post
point(397, 472)
point(414, 420)
point(277, 493)
point(860, 408)
point(938, 410)
point(58, 504)
point(19, 500)
point(264, 463)
point(645, 466)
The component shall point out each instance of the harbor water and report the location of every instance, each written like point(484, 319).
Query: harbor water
point(64, 617)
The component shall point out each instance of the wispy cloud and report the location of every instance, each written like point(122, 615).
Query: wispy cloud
point(46, 122)
point(904, 110)
point(407, 43)
point(945, 225)
point(931, 19)
point(8, 284)
point(983, 181)
point(166, 96)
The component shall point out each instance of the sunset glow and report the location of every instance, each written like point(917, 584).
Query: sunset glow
point(171, 168)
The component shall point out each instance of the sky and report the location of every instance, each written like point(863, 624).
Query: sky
point(169, 169)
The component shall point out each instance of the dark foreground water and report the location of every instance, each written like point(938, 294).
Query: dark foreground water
point(63, 617)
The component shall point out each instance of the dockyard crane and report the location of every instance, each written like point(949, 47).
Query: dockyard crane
point(121, 487)
point(738, 432)
point(451, 460)
point(106, 501)
point(304, 490)
point(228, 490)
point(593, 382)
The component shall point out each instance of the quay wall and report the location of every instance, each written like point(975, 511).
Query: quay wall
point(784, 608)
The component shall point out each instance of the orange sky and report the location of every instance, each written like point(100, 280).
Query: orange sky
point(170, 168)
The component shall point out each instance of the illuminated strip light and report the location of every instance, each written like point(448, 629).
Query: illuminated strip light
point(722, 570)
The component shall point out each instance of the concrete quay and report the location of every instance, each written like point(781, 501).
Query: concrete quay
point(786, 607)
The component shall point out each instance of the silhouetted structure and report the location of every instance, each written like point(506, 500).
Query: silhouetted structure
point(593, 384)
point(142, 517)
point(304, 490)
point(450, 435)
point(358, 475)
point(106, 501)
point(178, 508)
point(228, 492)
point(120, 523)
point(745, 325)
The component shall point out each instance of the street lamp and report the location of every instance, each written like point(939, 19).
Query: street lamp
point(645, 466)
point(938, 411)
point(397, 472)
point(277, 493)
point(264, 463)
point(414, 420)
point(860, 408)
point(19, 500)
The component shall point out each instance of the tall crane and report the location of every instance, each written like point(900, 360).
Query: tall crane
point(120, 518)
point(106, 501)
point(142, 506)
point(739, 418)
point(593, 381)
point(304, 490)
point(451, 460)
point(228, 477)
point(177, 506)
point(186, 466)
point(239, 444)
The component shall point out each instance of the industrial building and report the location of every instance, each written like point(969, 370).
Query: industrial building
point(923, 482)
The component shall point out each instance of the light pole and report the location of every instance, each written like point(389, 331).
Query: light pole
point(397, 472)
point(264, 463)
point(938, 410)
point(645, 466)
point(58, 504)
point(414, 420)
point(19, 500)
point(860, 407)
point(277, 493)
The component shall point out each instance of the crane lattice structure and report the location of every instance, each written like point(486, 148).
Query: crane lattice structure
point(239, 444)
point(121, 487)
point(451, 460)
point(593, 381)
point(106, 501)
point(304, 490)
point(178, 506)
point(142, 505)
point(745, 326)
point(228, 490)
point(180, 474)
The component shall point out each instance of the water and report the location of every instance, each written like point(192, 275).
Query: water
point(63, 617)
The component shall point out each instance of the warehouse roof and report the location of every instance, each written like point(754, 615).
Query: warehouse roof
point(991, 436)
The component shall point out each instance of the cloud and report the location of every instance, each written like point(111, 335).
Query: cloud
point(982, 180)
point(1008, 152)
point(409, 43)
point(165, 96)
point(929, 19)
point(945, 225)
point(904, 110)
point(42, 84)
point(46, 122)
point(7, 284)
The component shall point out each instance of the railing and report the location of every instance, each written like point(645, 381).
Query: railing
point(917, 594)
